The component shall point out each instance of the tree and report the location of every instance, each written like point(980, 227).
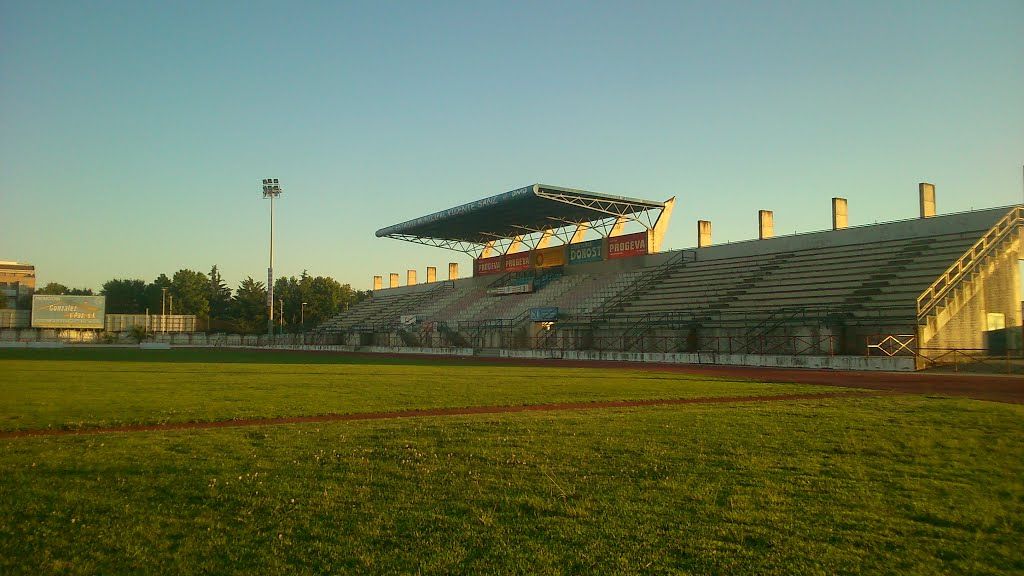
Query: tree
point(249, 306)
point(325, 298)
point(220, 295)
point(191, 291)
point(289, 291)
point(125, 296)
point(80, 292)
point(53, 289)
point(155, 294)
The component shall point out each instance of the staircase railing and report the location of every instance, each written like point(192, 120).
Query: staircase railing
point(408, 338)
point(453, 336)
point(654, 276)
point(966, 264)
point(636, 331)
point(777, 318)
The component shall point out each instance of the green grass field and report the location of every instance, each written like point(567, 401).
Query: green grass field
point(57, 389)
point(865, 485)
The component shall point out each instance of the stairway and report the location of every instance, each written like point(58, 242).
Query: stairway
point(953, 290)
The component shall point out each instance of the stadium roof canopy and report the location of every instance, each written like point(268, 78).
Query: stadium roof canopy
point(528, 215)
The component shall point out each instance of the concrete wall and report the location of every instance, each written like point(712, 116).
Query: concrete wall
point(902, 364)
point(975, 221)
point(993, 288)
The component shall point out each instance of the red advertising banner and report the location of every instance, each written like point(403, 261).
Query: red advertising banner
point(628, 245)
point(517, 261)
point(485, 266)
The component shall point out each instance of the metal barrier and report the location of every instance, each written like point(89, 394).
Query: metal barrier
point(970, 360)
point(822, 345)
point(967, 359)
point(891, 345)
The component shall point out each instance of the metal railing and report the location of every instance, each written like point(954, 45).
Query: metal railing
point(891, 345)
point(818, 345)
point(655, 275)
point(969, 261)
point(971, 360)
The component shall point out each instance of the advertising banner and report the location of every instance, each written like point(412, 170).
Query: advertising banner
point(545, 314)
point(485, 266)
point(592, 251)
point(511, 289)
point(549, 257)
point(518, 261)
point(68, 311)
point(628, 245)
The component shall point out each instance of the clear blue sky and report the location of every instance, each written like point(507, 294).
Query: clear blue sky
point(133, 135)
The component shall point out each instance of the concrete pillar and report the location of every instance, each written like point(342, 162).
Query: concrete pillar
point(431, 274)
point(516, 245)
point(926, 193)
point(657, 235)
point(765, 224)
point(839, 219)
point(453, 270)
point(393, 280)
point(703, 233)
point(378, 282)
point(581, 231)
point(545, 239)
point(410, 277)
point(619, 226)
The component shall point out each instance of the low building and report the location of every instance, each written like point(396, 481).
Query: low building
point(17, 283)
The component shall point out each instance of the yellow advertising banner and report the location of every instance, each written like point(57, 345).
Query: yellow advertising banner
point(549, 257)
point(68, 311)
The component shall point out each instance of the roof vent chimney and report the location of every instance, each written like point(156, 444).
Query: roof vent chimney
point(765, 224)
point(926, 192)
point(839, 219)
point(703, 233)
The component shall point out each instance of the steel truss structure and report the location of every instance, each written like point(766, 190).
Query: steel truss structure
point(529, 217)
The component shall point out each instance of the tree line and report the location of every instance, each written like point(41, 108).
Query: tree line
point(220, 309)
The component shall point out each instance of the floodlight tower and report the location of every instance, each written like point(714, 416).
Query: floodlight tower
point(271, 189)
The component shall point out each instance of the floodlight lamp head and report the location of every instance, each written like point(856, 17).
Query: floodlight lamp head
point(271, 188)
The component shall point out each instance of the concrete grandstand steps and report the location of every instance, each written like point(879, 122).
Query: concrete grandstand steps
point(875, 274)
point(380, 310)
point(511, 307)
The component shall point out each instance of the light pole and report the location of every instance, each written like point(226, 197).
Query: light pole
point(280, 316)
point(271, 189)
point(302, 321)
point(163, 310)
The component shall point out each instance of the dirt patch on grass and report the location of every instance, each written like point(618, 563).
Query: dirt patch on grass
point(463, 411)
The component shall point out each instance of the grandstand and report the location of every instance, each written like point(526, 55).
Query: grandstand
point(936, 282)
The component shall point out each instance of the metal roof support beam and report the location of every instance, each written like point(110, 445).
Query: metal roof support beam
point(603, 226)
point(540, 238)
point(528, 217)
point(545, 239)
point(516, 245)
point(499, 245)
point(613, 207)
point(620, 223)
point(469, 248)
